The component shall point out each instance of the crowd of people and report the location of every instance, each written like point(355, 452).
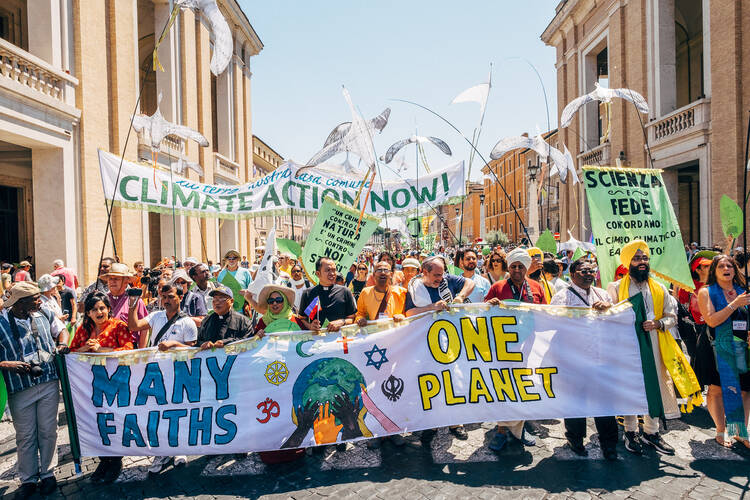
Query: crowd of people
point(187, 304)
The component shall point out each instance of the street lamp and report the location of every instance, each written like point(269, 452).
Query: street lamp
point(481, 217)
point(532, 199)
point(533, 171)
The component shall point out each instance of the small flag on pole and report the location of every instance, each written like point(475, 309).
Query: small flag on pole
point(313, 309)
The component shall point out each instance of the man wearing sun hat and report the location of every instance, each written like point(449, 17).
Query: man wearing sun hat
point(232, 266)
point(27, 350)
point(118, 281)
point(661, 315)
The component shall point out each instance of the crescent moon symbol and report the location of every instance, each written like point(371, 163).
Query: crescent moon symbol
point(300, 353)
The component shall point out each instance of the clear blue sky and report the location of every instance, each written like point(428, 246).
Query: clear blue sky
point(425, 51)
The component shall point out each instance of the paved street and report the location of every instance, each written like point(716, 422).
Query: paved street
point(448, 469)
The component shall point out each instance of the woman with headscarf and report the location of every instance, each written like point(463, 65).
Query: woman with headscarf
point(278, 316)
point(723, 304)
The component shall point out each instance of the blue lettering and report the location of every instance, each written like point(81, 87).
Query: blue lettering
point(117, 385)
point(174, 417)
point(225, 424)
point(105, 430)
point(152, 385)
point(200, 424)
point(187, 381)
point(131, 432)
point(221, 375)
point(152, 428)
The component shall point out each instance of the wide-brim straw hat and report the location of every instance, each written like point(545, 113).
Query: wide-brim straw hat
point(119, 269)
point(267, 290)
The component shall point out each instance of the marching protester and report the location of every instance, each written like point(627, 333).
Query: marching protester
point(68, 303)
point(515, 287)
point(326, 305)
point(5, 276)
point(360, 279)
point(723, 304)
point(29, 339)
point(99, 284)
point(232, 267)
point(200, 275)
point(170, 328)
point(23, 273)
point(552, 283)
point(434, 291)
point(497, 268)
point(661, 315)
point(299, 283)
point(581, 292)
point(397, 276)
point(467, 260)
point(225, 325)
point(102, 332)
point(279, 315)
point(118, 279)
point(410, 268)
point(191, 303)
point(71, 279)
point(50, 296)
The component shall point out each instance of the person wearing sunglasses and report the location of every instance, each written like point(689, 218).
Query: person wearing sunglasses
point(297, 282)
point(582, 293)
point(497, 269)
point(279, 316)
point(232, 266)
point(360, 279)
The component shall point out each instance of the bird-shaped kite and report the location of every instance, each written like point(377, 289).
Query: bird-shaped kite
point(344, 138)
point(604, 95)
point(223, 42)
point(416, 139)
point(157, 128)
point(178, 167)
point(562, 163)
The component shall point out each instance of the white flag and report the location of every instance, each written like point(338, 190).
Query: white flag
point(264, 276)
point(477, 93)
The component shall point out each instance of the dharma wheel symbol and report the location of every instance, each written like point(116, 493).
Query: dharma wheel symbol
point(276, 373)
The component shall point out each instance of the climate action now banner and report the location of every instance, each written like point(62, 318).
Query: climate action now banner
point(475, 363)
point(273, 194)
point(334, 235)
point(632, 203)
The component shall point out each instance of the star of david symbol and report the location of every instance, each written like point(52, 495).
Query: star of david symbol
point(381, 354)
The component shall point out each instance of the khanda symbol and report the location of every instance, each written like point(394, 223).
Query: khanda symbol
point(392, 388)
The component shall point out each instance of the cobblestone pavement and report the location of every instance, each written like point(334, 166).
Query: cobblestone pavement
point(448, 468)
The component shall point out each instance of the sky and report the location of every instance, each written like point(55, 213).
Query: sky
point(423, 51)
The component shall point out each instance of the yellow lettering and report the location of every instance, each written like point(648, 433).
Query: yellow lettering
point(503, 384)
point(454, 342)
point(522, 384)
point(476, 339)
point(546, 374)
point(502, 338)
point(477, 387)
point(429, 387)
point(450, 398)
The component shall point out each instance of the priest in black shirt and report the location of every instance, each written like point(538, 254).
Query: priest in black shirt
point(337, 304)
point(225, 325)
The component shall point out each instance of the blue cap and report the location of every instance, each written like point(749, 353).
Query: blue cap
point(223, 289)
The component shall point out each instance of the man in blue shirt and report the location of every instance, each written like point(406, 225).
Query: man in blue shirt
point(435, 289)
point(27, 354)
point(467, 260)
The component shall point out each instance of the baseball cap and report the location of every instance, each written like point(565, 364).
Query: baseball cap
point(410, 262)
point(222, 289)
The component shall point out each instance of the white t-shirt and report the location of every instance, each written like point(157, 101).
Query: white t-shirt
point(183, 330)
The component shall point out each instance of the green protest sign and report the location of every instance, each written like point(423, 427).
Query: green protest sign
point(546, 242)
point(288, 246)
point(334, 235)
point(235, 286)
point(731, 217)
point(628, 204)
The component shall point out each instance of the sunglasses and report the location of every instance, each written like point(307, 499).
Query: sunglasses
point(277, 300)
point(587, 271)
point(231, 258)
point(296, 271)
point(361, 269)
point(495, 261)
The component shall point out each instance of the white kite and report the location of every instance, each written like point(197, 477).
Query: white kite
point(604, 95)
point(479, 94)
point(416, 139)
point(222, 35)
point(562, 163)
point(179, 166)
point(573, 244)
point(264, 275)
point(156, 128)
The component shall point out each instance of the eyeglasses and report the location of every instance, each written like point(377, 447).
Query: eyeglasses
point(382, 270)
point(220, 298)
point(277, 300)
point(587, 271)
point(640, 258)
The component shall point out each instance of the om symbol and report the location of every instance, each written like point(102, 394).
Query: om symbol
point(270, 408)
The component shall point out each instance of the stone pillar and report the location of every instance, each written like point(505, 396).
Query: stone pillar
point(55, 204)
point(167, 81)
point(706, 52)
point(45, 36)
point(533, 207)
point(665, 64)
point(482, 226)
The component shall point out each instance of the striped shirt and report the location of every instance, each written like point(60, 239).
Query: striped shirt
point(22, 346)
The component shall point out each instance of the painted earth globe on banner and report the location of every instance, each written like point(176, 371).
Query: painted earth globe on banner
point(324, 378)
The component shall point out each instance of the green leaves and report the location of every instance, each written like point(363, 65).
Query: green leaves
point(731, 217)
point(546, 242)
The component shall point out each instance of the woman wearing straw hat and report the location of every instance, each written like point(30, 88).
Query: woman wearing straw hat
point(279, 316)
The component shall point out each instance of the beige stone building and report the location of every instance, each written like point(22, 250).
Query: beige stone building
point(69, 83)
point(689, 59)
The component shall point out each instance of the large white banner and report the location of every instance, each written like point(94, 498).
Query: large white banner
point(139, 186)
point(473, 364)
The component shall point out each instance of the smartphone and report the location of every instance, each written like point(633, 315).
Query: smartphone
point(134, 292)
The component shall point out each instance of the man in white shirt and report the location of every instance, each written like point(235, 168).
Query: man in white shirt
point(169, 328)
point(467, 260)
point(581, 292)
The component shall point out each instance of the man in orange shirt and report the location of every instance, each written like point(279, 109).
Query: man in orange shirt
point(381, 300)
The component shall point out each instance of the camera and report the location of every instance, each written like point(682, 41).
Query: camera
point(134, 292)
point(36, 368)
point(150, 278)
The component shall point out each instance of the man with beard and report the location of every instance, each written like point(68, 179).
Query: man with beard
point(661, 315)
point(467, 260)
point(100, 285)
point(435, 289)
point(200, 275)
point(582, 293)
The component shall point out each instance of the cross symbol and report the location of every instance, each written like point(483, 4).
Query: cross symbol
point(345, 340)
